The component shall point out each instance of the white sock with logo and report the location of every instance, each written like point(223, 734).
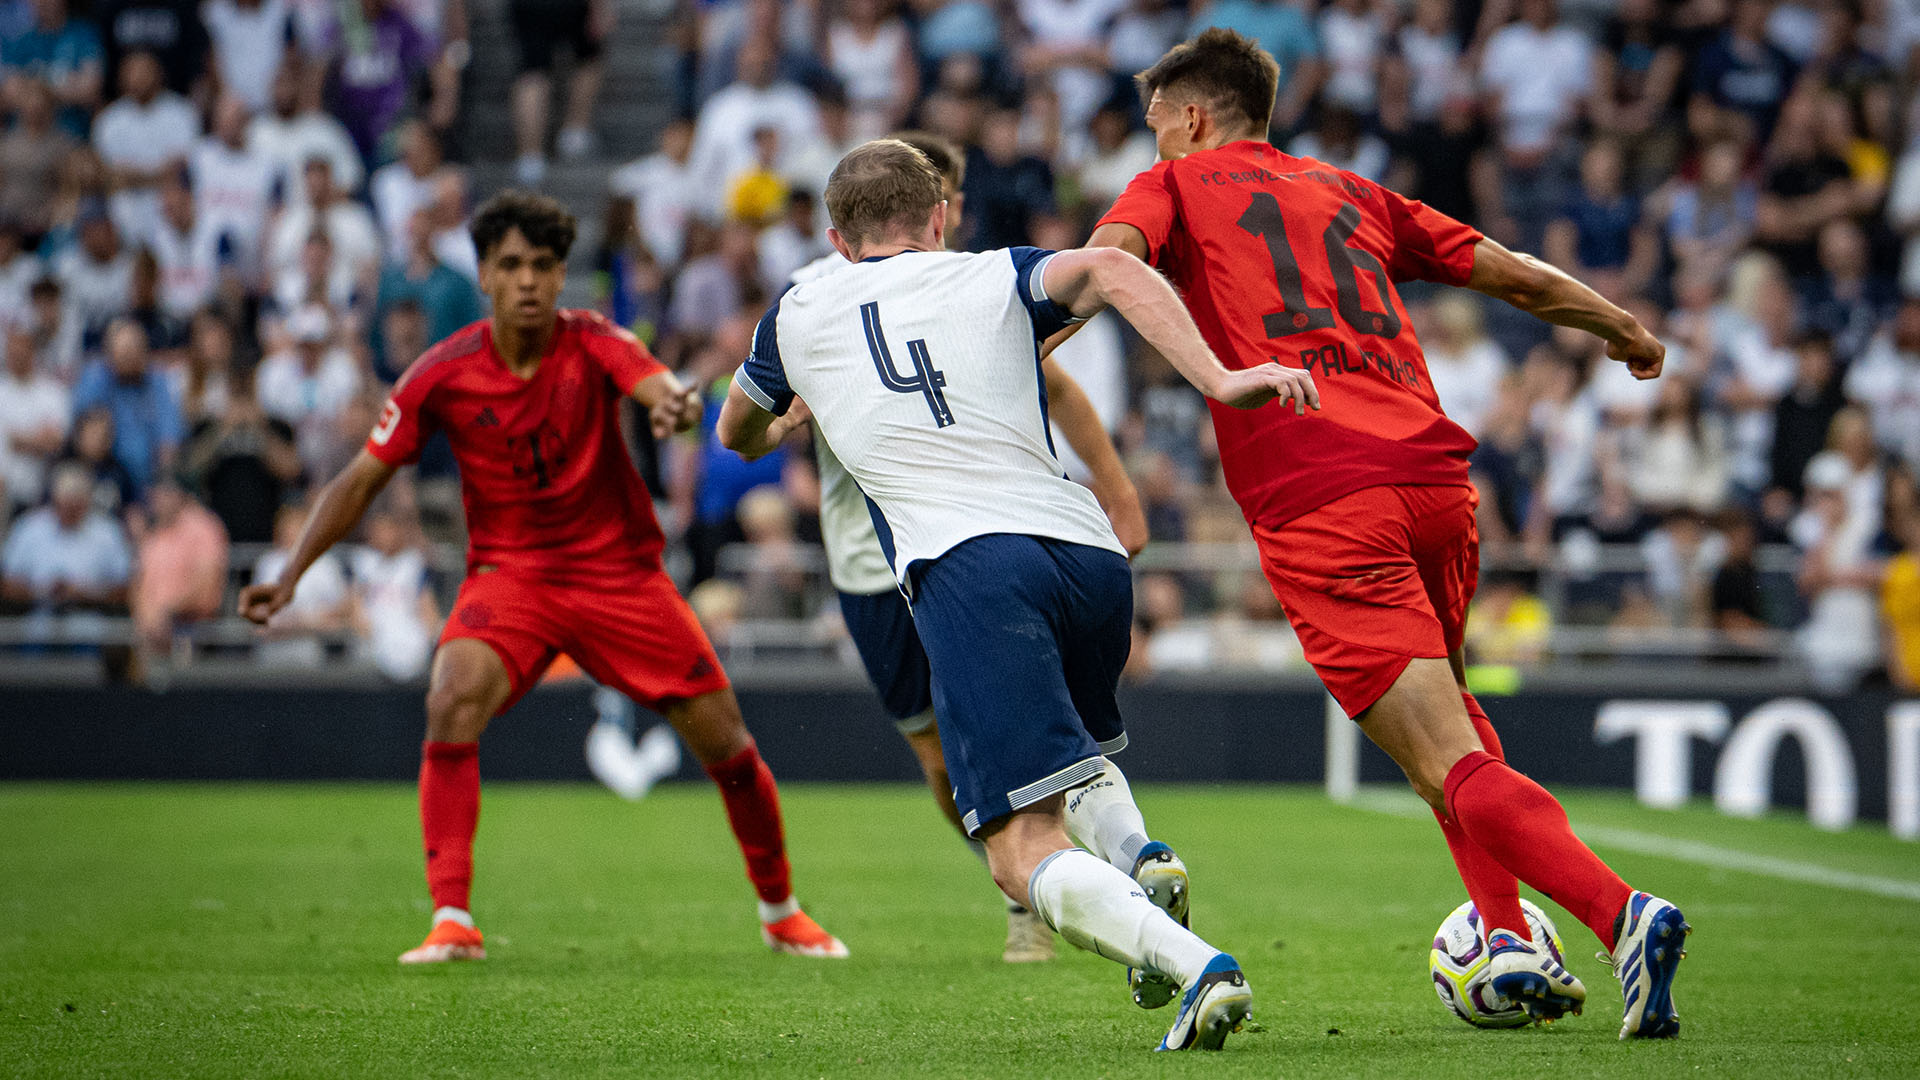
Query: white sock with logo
point(1103, 911)
point(1102, 818)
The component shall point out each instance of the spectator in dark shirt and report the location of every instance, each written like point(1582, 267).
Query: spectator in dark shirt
point(170, 29)
point(377, 53)
point(1600, 235)
point(1846, 300)
point(1806, 187)
point(1636, 78)
point(1742, 72)
point(1005, 187)
point(1805, 412)
point(246, 463)
point(444, 295)
point(1739, 607)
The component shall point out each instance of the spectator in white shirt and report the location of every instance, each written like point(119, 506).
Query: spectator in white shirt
point(66, 564)
point(318, 279)
point(1885, 380)
point(1353, 38)
point(1536, 73)
point(1466, 366)
point(348, 225)
point(309, 384)
point(405, 186)
point(870, 51)
point(35, 409)
point(320, 600)
point(723, 140)
point(394, 613)
point(664, 192)
point(95, 275)
point(187, 251)
point(291, 135)
point(148, 131)
point(251, 40)
point(1069, 49)
point(234, 184)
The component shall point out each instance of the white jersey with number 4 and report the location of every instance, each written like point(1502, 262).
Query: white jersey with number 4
point(855, 563)
point(922, 370)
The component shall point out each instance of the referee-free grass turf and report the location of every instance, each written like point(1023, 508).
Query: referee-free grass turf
point(241, 930)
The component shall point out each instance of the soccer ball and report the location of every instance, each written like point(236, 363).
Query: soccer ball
point(1459, 966)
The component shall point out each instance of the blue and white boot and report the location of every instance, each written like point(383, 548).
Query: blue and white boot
point(1215, 1006)
point(1163, 877)
point(1652, 942)
point(1531, 977)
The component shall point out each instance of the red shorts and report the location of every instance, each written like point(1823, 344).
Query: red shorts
point(634, 634)
point(1375, 579)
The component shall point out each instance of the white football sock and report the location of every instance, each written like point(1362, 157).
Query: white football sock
point(452, 914)
point(1101, 910)
point(1102, 818)
point(773, 913)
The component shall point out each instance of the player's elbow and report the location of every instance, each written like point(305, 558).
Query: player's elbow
point(736, 433)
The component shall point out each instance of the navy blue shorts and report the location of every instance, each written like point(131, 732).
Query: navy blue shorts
point(1027, 637)
point(881, 626)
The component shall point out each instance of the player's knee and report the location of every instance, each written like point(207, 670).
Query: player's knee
point(712, 726)
point(456, 714)
point(1010, 873)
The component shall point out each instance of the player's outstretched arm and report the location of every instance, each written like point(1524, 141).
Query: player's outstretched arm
point(751, 431)
point(1547, 292)
point(338, 509)
point(1089, 279)
point(1080, 423)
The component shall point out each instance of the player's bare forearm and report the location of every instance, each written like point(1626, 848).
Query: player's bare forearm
point(1546, 292)
point(751, 431)
point(1090, 279)
point(341, 505)
point(1080, 423)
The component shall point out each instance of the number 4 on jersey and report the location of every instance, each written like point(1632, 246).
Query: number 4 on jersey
point(1264, 219)
point(926, 379)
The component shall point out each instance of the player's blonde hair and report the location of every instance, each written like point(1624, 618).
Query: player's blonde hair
point(881, 185)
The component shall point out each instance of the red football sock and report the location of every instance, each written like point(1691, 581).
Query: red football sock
point(753, 809)
point(1525, 829)
point(1495, 892)
point(449, 813)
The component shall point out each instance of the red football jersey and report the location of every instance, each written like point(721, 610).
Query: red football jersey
point(545, 476)
point(1291, 260)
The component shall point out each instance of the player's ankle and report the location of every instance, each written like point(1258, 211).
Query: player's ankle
point(449, 913)
point(771, 913)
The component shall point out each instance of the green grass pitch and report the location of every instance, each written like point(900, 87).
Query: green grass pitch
point(236, 930)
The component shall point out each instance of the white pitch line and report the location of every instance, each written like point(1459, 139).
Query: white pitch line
point(1643, 843)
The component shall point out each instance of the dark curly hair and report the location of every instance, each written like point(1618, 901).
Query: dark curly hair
point(542, 220)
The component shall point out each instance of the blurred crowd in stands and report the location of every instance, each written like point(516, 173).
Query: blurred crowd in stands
point(226, 226)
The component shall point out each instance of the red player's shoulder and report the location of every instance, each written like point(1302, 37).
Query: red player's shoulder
point(468, 341)
point(593, 326)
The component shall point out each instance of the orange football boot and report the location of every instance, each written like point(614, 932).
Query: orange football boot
point(448, 941)
point(799, 935)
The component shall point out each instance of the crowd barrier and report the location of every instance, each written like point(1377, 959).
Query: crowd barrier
point(1839, 759)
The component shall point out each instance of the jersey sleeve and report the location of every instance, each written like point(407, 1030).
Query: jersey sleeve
point(1029, 271)
point(624, 358)
point(1427, 244)
point(763, 377)
point(405, 424)
point(1147, 204)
